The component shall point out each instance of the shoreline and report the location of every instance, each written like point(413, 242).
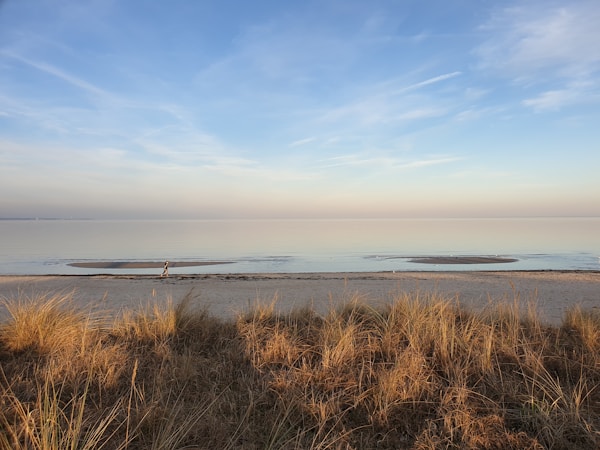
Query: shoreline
point(225, 295)
point(378, 274)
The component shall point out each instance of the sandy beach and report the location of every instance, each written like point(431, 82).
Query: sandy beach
point(225, 295)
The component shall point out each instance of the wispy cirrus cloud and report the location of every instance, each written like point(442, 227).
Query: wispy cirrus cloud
point(192, 151)
point(571, 94)
point(59, 73)
point(421, 113)
point(542, 44)
point(51, 160)
point(427, 162)
point(527, 39)
point(301, 142)
point(427, 82)
point(387, 162)
point(386, 105)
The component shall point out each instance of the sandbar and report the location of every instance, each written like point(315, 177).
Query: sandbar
point(462, 260)
point(142, 264)
point(226, 295)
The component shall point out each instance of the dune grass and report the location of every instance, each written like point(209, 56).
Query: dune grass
point(420, 373)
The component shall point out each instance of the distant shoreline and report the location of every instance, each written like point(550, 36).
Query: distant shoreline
point(34, 219)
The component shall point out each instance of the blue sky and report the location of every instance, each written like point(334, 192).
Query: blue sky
point(331, 108)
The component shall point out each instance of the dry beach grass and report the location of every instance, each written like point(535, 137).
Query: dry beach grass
point(419, 372)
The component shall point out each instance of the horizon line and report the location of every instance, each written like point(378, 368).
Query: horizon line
point(567, 216)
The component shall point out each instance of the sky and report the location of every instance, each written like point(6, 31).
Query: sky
point(299, 109)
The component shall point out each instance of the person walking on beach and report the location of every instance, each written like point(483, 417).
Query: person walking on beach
point(165, 272)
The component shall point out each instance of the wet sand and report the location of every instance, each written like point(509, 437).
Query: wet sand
point(225, 295)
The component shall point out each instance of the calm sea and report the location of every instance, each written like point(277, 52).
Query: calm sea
point(48, 246)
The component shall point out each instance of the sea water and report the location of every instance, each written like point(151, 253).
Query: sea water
point(48, 246)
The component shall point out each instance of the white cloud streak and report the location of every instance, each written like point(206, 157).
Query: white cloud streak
point(421, 113)
point(390, 106)
point(60, 74)
point(301, 142)
point(427, 82)
point(384, 162)
point(572, 94)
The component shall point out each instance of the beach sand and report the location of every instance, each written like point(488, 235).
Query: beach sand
point(226, 295)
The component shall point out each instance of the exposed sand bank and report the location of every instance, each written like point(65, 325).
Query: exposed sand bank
point(225, 295)
point(462, 260)
point(142, 264)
